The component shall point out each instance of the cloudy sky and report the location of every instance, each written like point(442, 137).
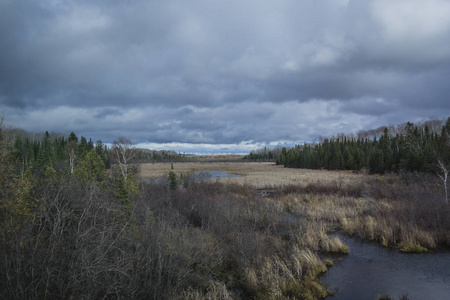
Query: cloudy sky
point(222, 76)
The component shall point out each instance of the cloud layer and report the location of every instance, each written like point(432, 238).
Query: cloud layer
point(222, 72)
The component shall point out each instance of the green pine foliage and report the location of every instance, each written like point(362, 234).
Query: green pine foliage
point(63, 154)
point(414, 149)
point(262, 155)
point(121, 191)
point(92, 169)
point(127, 189)
point(173, 182)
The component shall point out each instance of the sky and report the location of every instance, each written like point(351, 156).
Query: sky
point(205, 76)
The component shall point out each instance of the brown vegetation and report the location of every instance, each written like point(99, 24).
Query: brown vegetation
point(407, 211)
point(206, 240)
point(260, 175)
point(209, 239)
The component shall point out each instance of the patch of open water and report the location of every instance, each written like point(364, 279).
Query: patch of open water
point(215, 174)
point(197, 175)
point(370, 270)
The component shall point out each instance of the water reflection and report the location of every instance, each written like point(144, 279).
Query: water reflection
point(214, 174)
point(370, 270)
point(198, 175)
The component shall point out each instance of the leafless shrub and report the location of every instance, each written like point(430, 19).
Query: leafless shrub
point(207, 240)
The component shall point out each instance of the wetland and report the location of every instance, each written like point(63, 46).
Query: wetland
point(379, 217)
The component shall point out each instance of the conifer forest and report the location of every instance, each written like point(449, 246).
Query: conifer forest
point(411, 148)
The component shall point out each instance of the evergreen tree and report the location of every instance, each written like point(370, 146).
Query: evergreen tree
point(173, 183)
point(92, 169)
point(15, 201)
point(121, 191)
point(90, 145)
point(415, 150)
point(45, 157)
point(82, 148)
point(72, 138)
point(100, 148)
point(126, 188)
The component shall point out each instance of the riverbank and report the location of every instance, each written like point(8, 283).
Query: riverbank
point(404, 211)
point(292, 224)
point(370, 270)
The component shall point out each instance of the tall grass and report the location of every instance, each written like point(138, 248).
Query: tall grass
point(260, 175)
point(404, 211)
point(208, 239)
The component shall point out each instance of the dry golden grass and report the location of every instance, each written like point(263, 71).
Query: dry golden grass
point(381, 219)
point(372, 207)
point(216, 290)
point(275, 278)
point(260, 175)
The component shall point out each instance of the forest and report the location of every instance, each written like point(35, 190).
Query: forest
point(407, 147)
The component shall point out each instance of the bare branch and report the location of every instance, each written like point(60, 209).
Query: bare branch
point(443, 175)
point(123, 149)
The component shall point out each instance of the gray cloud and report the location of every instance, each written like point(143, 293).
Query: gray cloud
point(222, 72)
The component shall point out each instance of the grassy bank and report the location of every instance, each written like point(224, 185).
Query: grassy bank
point(406, 211)
point(255, 248)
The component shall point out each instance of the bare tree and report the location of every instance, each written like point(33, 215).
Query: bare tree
point(443, 174)
point(72, 155)
point(124, 153)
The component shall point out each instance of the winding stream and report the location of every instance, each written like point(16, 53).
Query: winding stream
point(370, 270)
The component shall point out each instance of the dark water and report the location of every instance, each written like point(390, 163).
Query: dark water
point(197, 175)
point(370, 270)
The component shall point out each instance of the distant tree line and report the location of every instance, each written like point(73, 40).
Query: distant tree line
point(148, 155)
point(408, 147)
point(68, 152)
point(264, 154)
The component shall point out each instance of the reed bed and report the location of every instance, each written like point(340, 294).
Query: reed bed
point(404, 211)
point(409, 215)
point(239, 243)
point(260, 175)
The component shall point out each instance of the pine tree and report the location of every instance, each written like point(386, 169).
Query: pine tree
point(15, 204)
point(82, 148)
point(92, 169)
point(45, 157)
point(172, 179)
point(100, 148)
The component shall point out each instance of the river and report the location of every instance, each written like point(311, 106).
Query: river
point(370, 270)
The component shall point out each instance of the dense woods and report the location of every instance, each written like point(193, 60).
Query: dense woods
point(408, 147)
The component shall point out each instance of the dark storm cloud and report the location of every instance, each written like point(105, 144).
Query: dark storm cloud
point(369, 106)
point(222, 72)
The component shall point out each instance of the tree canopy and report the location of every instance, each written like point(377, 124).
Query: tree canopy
point(413, 149)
